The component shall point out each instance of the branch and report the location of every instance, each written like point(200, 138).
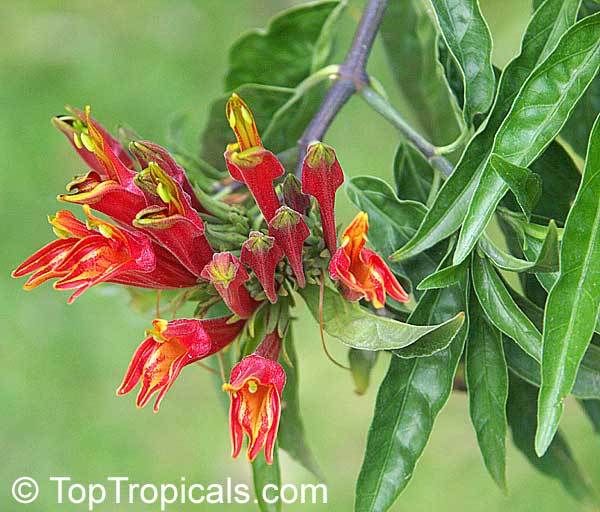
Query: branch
point(352, 77)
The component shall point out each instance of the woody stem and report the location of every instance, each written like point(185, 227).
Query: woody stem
point(352, 77)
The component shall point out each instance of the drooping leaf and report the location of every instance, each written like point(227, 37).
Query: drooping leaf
point(501, 309)
point(524, 184)
point(413, 174)
point(411, 396)
point(361, 364)
point(546, 260)
point(392, 222)
point(291, 436)
point(409, 40)
point(487, 385)
point(558, 461)
point(450, 207)
point(295, 44)
point(469, 40)
point(354, 326)
point(264, 474)
point(263, 100)
point(538, 113)
point(573, 301)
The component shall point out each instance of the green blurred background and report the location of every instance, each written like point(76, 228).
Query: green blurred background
point(139, 62)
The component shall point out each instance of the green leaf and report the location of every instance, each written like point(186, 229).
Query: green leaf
point(546, 260)
point(265, 474)
point(291, 436)
point(410, 397)
point(452, 73)
point(413, 175)
point(442, 278)
point(295, 44)
point(450, 206)
point(289, 122)
point(592, 410)
point(524, 184)
point(538, 113)
point(263, 100)
point(409, 39)
point(558, 461)
point(361, 364)
point(468, 38)
point(392, 222)
point(487, 385)
point(501, 309)
point(573, 301)
point(356, 327)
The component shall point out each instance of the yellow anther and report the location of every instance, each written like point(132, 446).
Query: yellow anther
point(252, 387)
point(77, 140)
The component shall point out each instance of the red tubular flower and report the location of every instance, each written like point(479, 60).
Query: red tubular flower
point(169, 347)
point(75, 128)
point(109, 187)
point(255, 388)
point(228, 275)
point(147, 152)
point(261, 253)
point(321, 177)
point(361, 270)
point(85, 255)
point(171, 220)
point(248, 161)
point(290, 231)
point(293, 196)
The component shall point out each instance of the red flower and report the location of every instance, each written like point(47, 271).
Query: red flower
point(109, 187)
point(293, 196)
point(169, 347)
point(255, 388)
point(147, 152)
point(248, 161)
point(290, 231)
point(85, 255)
point(362, 271)
point(321, 177)
point(171, 220)
point(226, 272)
point(261, 253)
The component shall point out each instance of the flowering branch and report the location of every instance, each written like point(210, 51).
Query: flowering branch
point(352, 77)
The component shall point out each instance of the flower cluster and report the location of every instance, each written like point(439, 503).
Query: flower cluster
point(158, 231)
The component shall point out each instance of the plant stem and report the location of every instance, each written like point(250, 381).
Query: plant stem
point(352, 77)
point(426, 148)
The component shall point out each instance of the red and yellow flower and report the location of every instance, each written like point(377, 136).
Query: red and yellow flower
point(361, 271)
point(86, 254)
point(255, 388)
point(169, 347)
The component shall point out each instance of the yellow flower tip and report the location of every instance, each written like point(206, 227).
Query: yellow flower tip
point(358, 227)
point(241, 121)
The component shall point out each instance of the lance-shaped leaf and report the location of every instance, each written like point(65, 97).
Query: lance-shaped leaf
point(354, 326)
point(263, 475)
point(487, 385)
point(290, 231)
point(321, 177)
point(411, 396)
point(558, 461)
point(291, 436)
point(441, 278)
point(361, 365)
point(262, 253)
point(413, 175)
point(546, 260)
point(524, 184)
point(468, 38)
point(573, 301)
point(538, 113)
point(392, 223)
point(409, 39)
point(296, 43)
point(451, 204)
